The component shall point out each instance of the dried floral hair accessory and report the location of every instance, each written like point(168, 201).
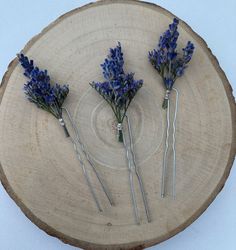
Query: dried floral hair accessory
point(118, 90)
point(39, 90)
point(170, 65)
point(166, 59)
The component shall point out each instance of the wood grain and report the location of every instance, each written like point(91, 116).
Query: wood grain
point(39, 169)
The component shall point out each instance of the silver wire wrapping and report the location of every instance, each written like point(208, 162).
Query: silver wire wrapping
point(75, 142)
point(164, 166)
point(133, 169)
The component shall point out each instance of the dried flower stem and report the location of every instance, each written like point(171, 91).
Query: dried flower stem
point(50, 98)
point(170, 65)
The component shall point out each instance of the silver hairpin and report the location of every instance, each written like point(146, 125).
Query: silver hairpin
point(77, 141)
point(50, 98)
point(164, 166)
point(171, 65)
point(133, 169)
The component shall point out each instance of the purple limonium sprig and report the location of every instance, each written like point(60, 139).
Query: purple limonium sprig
point(39, 90)
point(166, 60)
point(119, 88)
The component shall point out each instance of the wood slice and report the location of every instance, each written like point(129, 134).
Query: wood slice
point(39, 168)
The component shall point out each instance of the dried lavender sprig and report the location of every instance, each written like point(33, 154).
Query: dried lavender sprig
point(119, 88)
point(170, 66)
point(50, 98)
point(39, 90)
point(166, 59)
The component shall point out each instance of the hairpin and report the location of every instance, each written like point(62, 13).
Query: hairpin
point(118, 90)
point(50, 98)
point(170, 66)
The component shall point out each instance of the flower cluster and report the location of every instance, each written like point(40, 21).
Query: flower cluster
point(39, 89)
point(165, 58)
point(119, 88)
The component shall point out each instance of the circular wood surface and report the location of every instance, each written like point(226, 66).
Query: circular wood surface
point(39, 168)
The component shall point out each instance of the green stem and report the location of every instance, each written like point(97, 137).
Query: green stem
point(66, 131)
point(165, 104)
point(120, 136)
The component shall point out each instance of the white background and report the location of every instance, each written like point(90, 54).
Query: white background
point(215, 21)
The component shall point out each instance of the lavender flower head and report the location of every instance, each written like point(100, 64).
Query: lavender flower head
point(119, 88)
point(39, 90)
point(166, 59)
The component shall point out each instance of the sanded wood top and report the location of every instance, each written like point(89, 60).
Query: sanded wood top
point(39, 169)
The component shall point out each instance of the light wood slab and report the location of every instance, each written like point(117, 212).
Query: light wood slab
point(39, 169)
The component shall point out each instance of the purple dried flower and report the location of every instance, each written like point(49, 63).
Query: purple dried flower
point(39, 89)
point(119, 88)
point(165, 58)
